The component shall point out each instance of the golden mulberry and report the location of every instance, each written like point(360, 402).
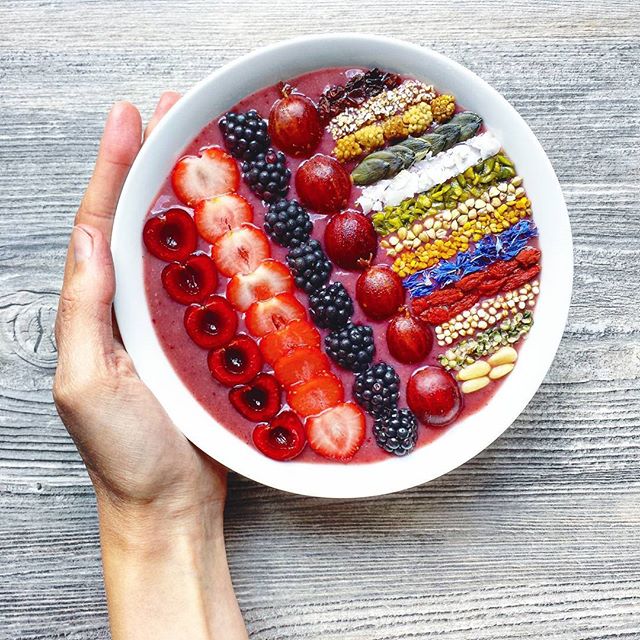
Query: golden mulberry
point(347, 148)
point(418, 118)
point(394, 128)
point(370, 137)
point(443, 107)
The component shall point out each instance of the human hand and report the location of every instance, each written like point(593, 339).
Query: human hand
point(134, 453)
point(160, 500)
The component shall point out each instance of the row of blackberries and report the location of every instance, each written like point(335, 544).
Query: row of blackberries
point(351, 346)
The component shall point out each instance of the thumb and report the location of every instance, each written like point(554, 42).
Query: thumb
point(84, 329)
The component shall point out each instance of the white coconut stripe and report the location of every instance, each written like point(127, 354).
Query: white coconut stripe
point(429, 172)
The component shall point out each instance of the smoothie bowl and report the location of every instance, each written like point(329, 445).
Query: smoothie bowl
point(332, 260)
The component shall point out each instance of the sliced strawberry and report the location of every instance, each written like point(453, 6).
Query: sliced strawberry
point(298, 333)
point(338, 432)
point(192, 280)
point(209, 174)
point(272, 314)
point(281, 439)
point(300, 365)
point(238, 362)
point(315, 396)
point(218, 215)
point(240, 250)
point(259, 400)
point(269, 279)
point(212, 324)
point(171, 235)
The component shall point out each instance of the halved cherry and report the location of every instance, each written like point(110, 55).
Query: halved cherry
point(215, 216)
point(269, 279)
point(240, 250)
point(238, 362)
point(192, 280)
point(315, 396)
point(298, 333)
point(272, 314)
point(171, 235)
point(259, 400)
point(209, 174)
point(300, 365)
point(211, 324)
point(281, 439)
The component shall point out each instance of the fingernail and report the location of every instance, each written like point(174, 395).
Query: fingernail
point(82, 244)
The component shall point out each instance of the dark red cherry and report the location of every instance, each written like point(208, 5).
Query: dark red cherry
point(350, 240)
point(259, 400)
point(170, 235)
point(238, 362)
point(283, 438)
point(192, 280)
point(211, 324)
point(379, 292)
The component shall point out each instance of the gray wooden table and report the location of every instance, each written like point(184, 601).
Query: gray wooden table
point(538, 537)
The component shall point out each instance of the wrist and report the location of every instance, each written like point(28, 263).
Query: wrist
point(154, 527)
point(166, 572)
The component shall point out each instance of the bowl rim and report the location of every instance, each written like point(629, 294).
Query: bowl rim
point(454, 447)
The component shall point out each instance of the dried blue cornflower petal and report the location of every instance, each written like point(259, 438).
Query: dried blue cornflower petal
point(505, 246)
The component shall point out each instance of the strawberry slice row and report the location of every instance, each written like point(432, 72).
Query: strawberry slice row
point(263, 289)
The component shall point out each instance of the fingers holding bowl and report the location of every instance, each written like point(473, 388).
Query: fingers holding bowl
point(167, 100)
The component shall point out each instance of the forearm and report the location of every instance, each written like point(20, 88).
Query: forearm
point(168, 579)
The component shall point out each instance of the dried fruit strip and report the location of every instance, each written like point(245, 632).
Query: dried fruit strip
point(483, 315)
point(460, 193)
point(383, 105)
point(456, 298)
point(483, 344)
point(415, 120)
point(459, 232)
point(491, 249)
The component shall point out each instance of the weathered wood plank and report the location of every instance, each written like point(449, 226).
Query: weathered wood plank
point(537, 536)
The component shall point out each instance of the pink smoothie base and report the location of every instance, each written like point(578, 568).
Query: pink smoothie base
point(190, 361)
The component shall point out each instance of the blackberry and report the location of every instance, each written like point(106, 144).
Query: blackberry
point(267, 175)
point(287, 223)
point(331, 306)
point(377, 389)
point(245, 134)
point(396, 431)
point(351, 347)
point(310, 266)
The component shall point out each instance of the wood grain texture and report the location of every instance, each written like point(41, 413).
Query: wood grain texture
point(538, 537)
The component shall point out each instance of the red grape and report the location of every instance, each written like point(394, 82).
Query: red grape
point(294, 123)
point(379, 292)
point(350, 240)
point(323, 184)
point(433, 395)
point(408, 339)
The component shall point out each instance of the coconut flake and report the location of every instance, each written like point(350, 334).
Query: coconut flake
point(429, 172)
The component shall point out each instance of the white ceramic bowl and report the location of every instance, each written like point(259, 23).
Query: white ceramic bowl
point(217, 93)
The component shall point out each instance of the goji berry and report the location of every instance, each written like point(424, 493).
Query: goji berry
point(528, 256)
point(470, 282)
point(501, 269)
point(435, 315)
point(519, 278)
point(448, 295)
